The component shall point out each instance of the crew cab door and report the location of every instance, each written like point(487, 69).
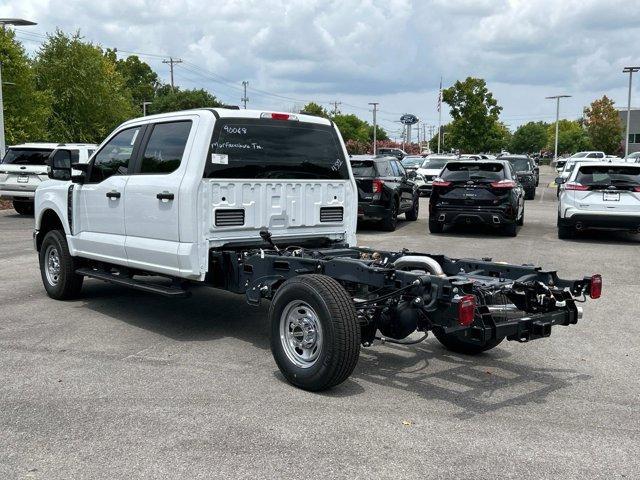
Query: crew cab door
point(406, 186)
point(152, 201)
point(98, 226)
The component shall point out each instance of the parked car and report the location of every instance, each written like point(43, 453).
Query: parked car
point(527, 172)
point(385, 190)
point(263, 205)
point(392, 152)
point(599, 195)
point(25, 166)
point(592, 155)
point(431, 168)
point(412, 162)
point(481, 191)
point(633, 157)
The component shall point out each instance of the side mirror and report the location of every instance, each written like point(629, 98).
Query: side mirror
point(412, 174)
point(559, 180)
point(80, 178)
point(83, 167)
point(59, 165)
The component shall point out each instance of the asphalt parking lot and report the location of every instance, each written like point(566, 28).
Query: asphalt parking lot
point(121, 384)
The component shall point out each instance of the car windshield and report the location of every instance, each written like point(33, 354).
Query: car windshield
point(412, 162)
point(520, 164)
point(435, 163)
point(27, 156)
point(463, 171)
point(363, 168)
point(579, 155)
point(606, 175)
point(282, 149)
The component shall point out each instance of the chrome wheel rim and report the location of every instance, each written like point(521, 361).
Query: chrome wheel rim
point(301, 334)
point(52, 265)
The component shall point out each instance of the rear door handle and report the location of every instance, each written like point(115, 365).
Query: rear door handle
point(113, 194)
point(165, 196)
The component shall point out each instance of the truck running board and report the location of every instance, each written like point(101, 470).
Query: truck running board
point(167, 291)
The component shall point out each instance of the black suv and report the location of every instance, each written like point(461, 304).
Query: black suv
point(484, 191)
point(527, 172)
point(385, 190)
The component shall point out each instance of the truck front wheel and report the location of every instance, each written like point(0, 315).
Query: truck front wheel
point(57, 267)
point(457, 342)
point(315, 335)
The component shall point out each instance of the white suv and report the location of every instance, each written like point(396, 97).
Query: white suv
point(600, 195)
point(24, 167)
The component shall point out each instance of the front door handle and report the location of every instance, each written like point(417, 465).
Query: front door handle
point(113, 194)
point(165, 196)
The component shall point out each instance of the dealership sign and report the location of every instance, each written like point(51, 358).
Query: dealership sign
point(408, 119)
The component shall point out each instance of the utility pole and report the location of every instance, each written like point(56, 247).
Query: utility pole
point(244, 98)
point(144, 108)
point(335, 104)
point(630, 71)
point(440, 115)
point(557, 99)
point(375, 125)
point(171, 62)
point(4, 22)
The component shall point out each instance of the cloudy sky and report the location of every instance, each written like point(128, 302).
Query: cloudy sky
point(359, 51)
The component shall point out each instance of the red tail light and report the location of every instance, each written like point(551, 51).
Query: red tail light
point(438, 182)
point(575, 186)
point(466, 310)
point(596, 286)
point(636, 189)
point(504, 184)
point(278, 116)
point(377, 185)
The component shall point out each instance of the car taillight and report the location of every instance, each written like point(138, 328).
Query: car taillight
point(439, 182)
point(596, 286)
point(506, 184)
point(377, 185)
point(575, 186)
point(466, 310)
point(636, 189)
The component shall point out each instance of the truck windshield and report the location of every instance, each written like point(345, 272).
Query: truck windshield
point(608, 175)
point(462, 171)
point(279, 149)
point(27, 156)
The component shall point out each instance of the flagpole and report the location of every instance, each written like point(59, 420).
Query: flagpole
point(439, 114)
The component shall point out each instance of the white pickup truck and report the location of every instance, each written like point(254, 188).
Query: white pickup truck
point(264, 204)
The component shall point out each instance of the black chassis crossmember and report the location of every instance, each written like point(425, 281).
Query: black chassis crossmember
point(517, 302)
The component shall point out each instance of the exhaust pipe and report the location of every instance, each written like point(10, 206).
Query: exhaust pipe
point(419, 262)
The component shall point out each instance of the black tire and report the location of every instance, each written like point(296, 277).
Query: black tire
point(412, 215)
point(520, 221)
point(66, 284)
point(23, 208)
point(457, 342)
point(530, 194)
point(510, 230)
point(333, 309)
point(435, 227)
point(390, 223)
point(565, 231)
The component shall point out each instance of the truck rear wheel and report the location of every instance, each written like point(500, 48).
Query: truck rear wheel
point(457, 342)
point(315, 335)
point(412, 215)
point(57, 267)
point(23, 208)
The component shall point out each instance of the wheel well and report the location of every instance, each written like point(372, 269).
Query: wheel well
point(50, 221)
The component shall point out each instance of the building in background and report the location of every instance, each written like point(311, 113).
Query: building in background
point(634, 128)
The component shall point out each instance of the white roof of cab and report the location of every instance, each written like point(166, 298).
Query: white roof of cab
point(52, 146)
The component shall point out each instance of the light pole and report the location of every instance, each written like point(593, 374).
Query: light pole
point(144, 108)
point(557, 98)
point(630, 71)
point(4, 22)
point(375, 125)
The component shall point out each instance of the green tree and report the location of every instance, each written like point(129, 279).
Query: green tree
point(475, 113)
point(352, 128)
point(498, 139)
point(572, 137)
point(88, 95)
point(603, 125)
point(141, 81)
point(25, 109)
point(381, 133)
point(313, 108)
point(168, 100)
point(530, 137)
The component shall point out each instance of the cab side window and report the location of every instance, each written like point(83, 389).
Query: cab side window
point(114, 157)
point(165, 147)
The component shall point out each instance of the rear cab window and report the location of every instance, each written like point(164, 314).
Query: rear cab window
point(251, 148)
point(27, 156)
point(466, 171)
